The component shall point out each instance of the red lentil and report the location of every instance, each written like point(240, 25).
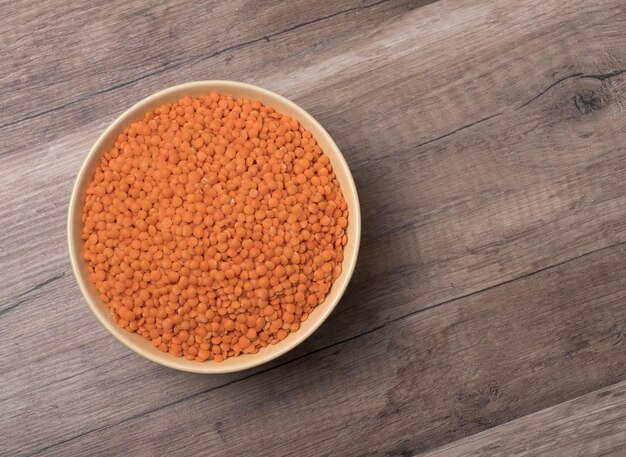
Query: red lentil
point(213, 227)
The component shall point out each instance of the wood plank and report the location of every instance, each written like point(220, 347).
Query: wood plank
point(474, 204)
point(593, 424)
point(105, 52)
point(429, 379)
point(386, 48)
point(133, 45)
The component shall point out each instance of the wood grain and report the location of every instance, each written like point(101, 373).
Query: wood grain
point(420, 382)
point(486, 142)
point(594, 424)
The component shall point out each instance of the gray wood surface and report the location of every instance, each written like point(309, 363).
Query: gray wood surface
point(487, 143)
point(594, 424)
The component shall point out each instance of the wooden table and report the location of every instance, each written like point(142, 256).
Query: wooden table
point(488, 309)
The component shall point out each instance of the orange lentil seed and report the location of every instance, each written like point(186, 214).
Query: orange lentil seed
point(213, 227)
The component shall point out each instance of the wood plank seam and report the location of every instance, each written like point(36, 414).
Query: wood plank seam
point(21, 298)
point(433, 140)
point(570, 419)
point(599, 77)
point(190, 60)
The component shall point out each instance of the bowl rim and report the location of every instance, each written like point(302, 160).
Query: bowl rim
point(75, 204)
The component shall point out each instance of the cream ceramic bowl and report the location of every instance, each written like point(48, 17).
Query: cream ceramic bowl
point(234, 89)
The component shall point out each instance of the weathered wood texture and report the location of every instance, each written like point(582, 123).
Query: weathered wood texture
point(594, 424)
point(487, 144)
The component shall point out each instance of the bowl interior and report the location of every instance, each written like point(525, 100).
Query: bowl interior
point(105, 142)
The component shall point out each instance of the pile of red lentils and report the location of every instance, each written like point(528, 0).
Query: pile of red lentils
point(213, 227)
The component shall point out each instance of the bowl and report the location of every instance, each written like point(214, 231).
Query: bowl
point(194, 89)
